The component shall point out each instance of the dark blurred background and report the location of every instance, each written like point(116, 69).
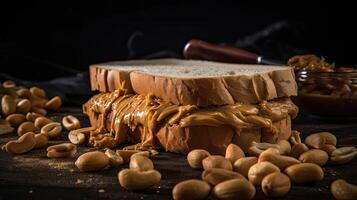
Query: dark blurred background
point(43, 40)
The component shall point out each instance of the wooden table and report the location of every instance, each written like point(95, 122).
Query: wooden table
point(34, 176)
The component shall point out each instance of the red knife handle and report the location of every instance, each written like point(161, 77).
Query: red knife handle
point(201, 50)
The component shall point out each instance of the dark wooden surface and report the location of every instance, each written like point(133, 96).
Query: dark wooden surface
point(33, 176)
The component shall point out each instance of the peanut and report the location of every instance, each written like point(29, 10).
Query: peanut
point(343, 190)
point(41, 140)
point(214, 176)
point(8, 105)
point(276, 184)
point(304, 173)
point(191, 189)
point(25, 127)
point(295, 137)
point(195, 157)
point(76, 137)
point(41, 122)
point(38, 92)
point(24, 144)
point(285, 147)
point(92, 161)
point(126, 154)
point(23, 106)
point(40, 111)
point(16, 119)
point(5, 127)
point(279, 160)
point(8, 84)
point(316, 156)
point(23, 93)
point(298, 149)
point(328, 148)
point(258, 171)
point(31, 116)
point(242, 165)
point(138, 180)
point(115, 160)
point(216, 162)
point(233, 153)
point(318, 140)
point(141, 163)
point(343, 155)
point(71, 123)
point(257, 148)
point(61, 150)
point(234, 189)
point(53, 104)
point(52, 130)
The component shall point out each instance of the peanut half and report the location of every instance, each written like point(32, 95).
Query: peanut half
point(53, 104)
point(191, 189)
point(16, 119)
point(257, 148)
point(216, 162)
point(215, 176)
point(52, 130)
point(342, 190)
point(92, 161)
point(76, 137)
point(61, 150)
point(195, 157)
point(41, 122)
point(234, 189)
point(25, 127)
point(31, 116)
point(23, 106)
point(70, 122)
point(8, 105)
point(23, 93)
point(243, 165)
point(138, 180)
point(115, 160)
point(24, 144)
point(126, 154)
point(276, 184)
point(233, 153)
point(298, 149)
point(305, 173)
point(316, 156)
point(258, 171)
point(38, 92)
point(280, 161)
point(41, 140)
point(343, 155)
point(318, 140)
point(141, 163)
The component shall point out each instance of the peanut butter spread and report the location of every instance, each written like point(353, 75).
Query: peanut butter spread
point(119, 115)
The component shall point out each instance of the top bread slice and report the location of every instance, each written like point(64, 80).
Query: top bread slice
point(201, 83)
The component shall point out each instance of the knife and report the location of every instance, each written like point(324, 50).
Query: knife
point(201, 50)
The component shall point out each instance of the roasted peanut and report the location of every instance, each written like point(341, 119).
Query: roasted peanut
point(8, 84)
point(115, 160)
point(141, 153)
point(92, 161)
point(5, 127)
point(23, 93)
point(257, 148)
point(285, 147)
point(38, 92)
point(71, 123)
point(126, 154)
point(216, 162)
point(8, 105)
point(195, 157)
point(214, 176)
point(53, 104)
point(276, 184)
point(23, 106)
point(61, 150)
point(16, 119)
point(258, 171)
point(295, 137)
point(191, 189)
point(342, 190)
point(22, 145)
point(25, 127)
point(328, 148)
point(138, 180)
point(279, 160)
point(41, 140)
point(233, 153)
point(40, 111)
point(316, 156)
point(243, 165)
point(141, 163)
point(31, 116)
point(318, 140)
point(298, 149)
point(41, 122)
point(304, 173)
point(343, 155)
point(234, 189)
point(52, 130)
point(76, 137)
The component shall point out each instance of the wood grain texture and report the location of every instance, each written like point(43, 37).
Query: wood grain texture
point(33, 176)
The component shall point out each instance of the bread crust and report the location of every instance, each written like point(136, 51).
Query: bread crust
point(204, 91)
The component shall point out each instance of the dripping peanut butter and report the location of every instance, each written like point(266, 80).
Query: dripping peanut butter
point(120, 117)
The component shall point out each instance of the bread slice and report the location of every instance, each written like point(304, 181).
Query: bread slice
point(192, 82)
